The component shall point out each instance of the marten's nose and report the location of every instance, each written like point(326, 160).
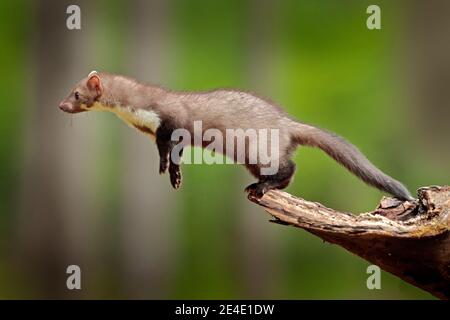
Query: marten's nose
point(64, 106)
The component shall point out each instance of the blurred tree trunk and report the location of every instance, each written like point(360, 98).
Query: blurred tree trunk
point(49, 194)
point(147, 213)
point(428, 48)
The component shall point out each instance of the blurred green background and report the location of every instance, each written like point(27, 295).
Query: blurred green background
point(85, 189)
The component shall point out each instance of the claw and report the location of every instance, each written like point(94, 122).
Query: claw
point(175, 177)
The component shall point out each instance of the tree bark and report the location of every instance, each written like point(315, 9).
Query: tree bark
point(408, 239)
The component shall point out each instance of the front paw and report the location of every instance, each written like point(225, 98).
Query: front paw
point(163, 165)
point(175, 176)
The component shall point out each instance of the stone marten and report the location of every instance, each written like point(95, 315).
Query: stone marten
point(158, 112)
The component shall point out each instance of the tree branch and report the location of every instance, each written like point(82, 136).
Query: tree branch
point(408, 239)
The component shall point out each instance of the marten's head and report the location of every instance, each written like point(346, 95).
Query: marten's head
point(84, 95)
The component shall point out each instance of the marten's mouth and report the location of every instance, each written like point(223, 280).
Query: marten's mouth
point(74, 111)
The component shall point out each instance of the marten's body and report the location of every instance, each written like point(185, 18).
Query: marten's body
point(158, 112)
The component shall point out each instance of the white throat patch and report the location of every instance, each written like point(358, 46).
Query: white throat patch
point(133, 117)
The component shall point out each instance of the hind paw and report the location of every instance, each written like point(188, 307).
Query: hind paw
point(257, 190)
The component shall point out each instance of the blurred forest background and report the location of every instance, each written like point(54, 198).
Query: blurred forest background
point(85, 189)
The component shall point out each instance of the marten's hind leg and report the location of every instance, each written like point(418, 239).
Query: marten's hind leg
point(279, 180)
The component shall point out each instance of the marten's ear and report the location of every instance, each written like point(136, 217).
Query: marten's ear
point(94, 83)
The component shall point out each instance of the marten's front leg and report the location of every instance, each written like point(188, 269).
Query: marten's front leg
point(165, 146)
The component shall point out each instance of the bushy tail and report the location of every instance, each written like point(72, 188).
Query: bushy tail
point(350, 157)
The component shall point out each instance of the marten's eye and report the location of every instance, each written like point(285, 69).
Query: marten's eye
point(77, 95)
